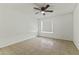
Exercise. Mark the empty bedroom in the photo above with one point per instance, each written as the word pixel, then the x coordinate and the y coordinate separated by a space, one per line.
pixel 39 29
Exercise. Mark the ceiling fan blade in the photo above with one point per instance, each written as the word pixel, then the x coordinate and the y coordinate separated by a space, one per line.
pixel 47 6
pixel 36 8
pixel 48 10
pixel 36 12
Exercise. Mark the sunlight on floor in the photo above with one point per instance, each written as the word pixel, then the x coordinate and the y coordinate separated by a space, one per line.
pixel 41 46
pixel 46 43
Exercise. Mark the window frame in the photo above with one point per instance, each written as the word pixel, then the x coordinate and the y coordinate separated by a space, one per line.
pixel 41 25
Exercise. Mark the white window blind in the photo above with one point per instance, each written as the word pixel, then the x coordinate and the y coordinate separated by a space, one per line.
pixel 46 26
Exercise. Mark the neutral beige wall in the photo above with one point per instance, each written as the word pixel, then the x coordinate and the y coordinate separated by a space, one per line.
pixel 62 27
pixel 76 25
pixel 16 23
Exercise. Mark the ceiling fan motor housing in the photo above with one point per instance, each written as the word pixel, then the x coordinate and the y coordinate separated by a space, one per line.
pixel 42 8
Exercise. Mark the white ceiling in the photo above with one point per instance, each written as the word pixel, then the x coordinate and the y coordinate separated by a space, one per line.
pixel 59 8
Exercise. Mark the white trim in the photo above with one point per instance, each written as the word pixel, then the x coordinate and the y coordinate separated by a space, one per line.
pixel 76 45
pixel 16 41
pixel 45 31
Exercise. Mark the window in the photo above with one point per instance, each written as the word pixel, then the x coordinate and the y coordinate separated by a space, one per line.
pixel 46 26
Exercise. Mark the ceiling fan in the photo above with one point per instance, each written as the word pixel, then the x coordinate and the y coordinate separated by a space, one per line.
pixel 43 9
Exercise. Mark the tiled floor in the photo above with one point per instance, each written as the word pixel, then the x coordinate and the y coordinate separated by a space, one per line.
pixel 41 46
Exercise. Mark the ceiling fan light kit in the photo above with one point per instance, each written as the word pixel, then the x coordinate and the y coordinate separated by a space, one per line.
pixel 43 9
pixel 42 12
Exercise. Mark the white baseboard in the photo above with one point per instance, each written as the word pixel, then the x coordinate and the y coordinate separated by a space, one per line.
pixel 76 45
pixel 16 41
pixel 56 36
pixel 60 38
